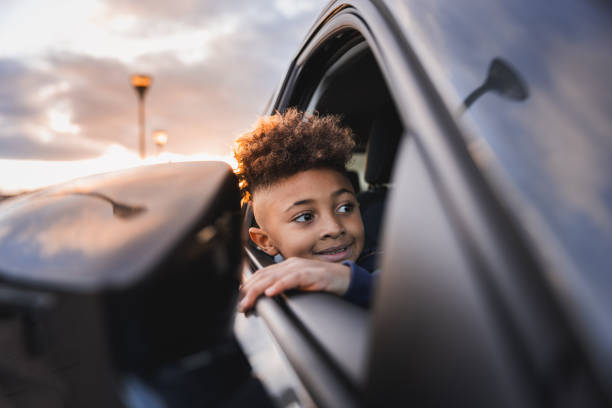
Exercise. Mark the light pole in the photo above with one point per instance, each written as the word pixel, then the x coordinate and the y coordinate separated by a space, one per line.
pixel 141 83
pixel 160 137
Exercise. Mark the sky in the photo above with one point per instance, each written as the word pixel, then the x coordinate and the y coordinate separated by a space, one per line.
pixel 66 104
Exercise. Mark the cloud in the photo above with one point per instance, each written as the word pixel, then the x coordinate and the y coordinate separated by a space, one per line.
pixel 67 103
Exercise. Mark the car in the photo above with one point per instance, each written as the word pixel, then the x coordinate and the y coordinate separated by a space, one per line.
pixel 118 290
pixel 483 149
pixel 483 154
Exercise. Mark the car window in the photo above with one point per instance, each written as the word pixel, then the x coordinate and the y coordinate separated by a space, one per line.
pixel 342 77
pixel 542 135
pixel 326 82
pixel 349 82
pixel 461 300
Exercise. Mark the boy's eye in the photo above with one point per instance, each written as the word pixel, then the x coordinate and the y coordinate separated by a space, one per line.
pixel 346 208
pixel 306 217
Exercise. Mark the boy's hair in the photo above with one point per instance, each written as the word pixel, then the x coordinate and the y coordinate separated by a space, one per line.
pixel 284 144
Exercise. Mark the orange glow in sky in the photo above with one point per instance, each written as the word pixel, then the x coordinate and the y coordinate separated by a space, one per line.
pixel 68 106
pixel 17 176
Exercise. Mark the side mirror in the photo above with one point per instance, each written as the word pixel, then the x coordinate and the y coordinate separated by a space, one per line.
pixel 117 276
pixel 503 79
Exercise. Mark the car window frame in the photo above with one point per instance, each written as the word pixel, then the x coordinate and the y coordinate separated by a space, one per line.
pixel 486 230
pixel 324 337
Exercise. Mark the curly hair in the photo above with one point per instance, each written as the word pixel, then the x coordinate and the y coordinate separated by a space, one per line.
pixel 284 144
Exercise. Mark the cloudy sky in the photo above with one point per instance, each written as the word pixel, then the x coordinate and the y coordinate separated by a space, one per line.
pixel 65 97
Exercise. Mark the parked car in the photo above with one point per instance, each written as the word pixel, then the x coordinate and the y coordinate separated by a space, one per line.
pixel 118 290
pixel 484 147
pixel 483 154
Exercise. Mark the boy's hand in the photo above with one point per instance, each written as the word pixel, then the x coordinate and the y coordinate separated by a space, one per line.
pixel 295 273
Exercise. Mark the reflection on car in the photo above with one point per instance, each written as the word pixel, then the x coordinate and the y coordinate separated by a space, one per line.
pixel 482 134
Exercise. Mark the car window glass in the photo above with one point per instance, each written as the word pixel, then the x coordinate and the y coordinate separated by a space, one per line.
pixel 349 82
pixel 536 108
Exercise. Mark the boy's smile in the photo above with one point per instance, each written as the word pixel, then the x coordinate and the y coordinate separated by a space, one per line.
pixel 313 214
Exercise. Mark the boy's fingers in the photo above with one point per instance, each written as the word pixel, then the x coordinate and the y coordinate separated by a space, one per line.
pixel 281 286
pixel 266 277
pixel 250 295
pixel 248 300
pixel 265 273
pixel 305 280
pixel 275 279
pixel 244 304
pixel 259 283
pixel 285 283
pixel 256 286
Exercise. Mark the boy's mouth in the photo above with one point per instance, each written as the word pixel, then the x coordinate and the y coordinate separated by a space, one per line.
pixel 337 253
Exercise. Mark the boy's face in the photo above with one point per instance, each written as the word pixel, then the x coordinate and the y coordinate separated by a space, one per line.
pixel 313 214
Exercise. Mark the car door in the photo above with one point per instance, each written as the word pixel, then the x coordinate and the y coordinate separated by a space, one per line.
pixel 463 312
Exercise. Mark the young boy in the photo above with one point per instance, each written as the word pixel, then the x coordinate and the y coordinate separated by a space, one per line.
pixel 292 168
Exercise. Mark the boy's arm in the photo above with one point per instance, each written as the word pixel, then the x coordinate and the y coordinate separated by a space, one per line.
pixel 359 291
pixel 295 273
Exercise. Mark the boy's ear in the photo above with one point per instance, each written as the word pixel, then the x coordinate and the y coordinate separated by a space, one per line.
pixel 263 241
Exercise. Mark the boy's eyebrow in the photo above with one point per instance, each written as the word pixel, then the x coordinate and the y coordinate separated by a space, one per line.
pixel 301 202
pixel 310 200
pixel 342 191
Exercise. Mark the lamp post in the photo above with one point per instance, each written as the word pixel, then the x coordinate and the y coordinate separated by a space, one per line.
pixel 160 137
pixel 141 83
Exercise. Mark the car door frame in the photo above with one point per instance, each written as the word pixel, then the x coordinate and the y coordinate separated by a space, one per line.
pixel 487 241
pixel 324 338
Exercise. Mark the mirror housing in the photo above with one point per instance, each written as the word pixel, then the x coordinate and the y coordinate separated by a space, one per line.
pixel 118 275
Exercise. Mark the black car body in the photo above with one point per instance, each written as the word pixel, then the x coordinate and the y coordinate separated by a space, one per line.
pixel 484 131
pixel 118 290
pixel 483 150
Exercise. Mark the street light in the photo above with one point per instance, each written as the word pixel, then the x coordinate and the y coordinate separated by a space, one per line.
pixel 141 83
pixel 160 137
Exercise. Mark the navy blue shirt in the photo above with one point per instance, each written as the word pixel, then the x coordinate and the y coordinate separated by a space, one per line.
pixel 363 278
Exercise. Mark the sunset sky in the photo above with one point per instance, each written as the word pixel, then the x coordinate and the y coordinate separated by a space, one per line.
pixel 66 104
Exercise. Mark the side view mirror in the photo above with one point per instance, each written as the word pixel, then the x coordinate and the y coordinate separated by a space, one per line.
pixel 116 277
pixel 503 79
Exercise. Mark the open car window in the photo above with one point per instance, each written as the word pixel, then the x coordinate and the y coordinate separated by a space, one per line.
pixel 341 77
pixel 477 301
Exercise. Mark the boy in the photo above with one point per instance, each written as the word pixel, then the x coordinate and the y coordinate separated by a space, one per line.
pixel 292 168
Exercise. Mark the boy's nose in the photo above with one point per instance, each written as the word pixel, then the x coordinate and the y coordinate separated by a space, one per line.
pixel 332 228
